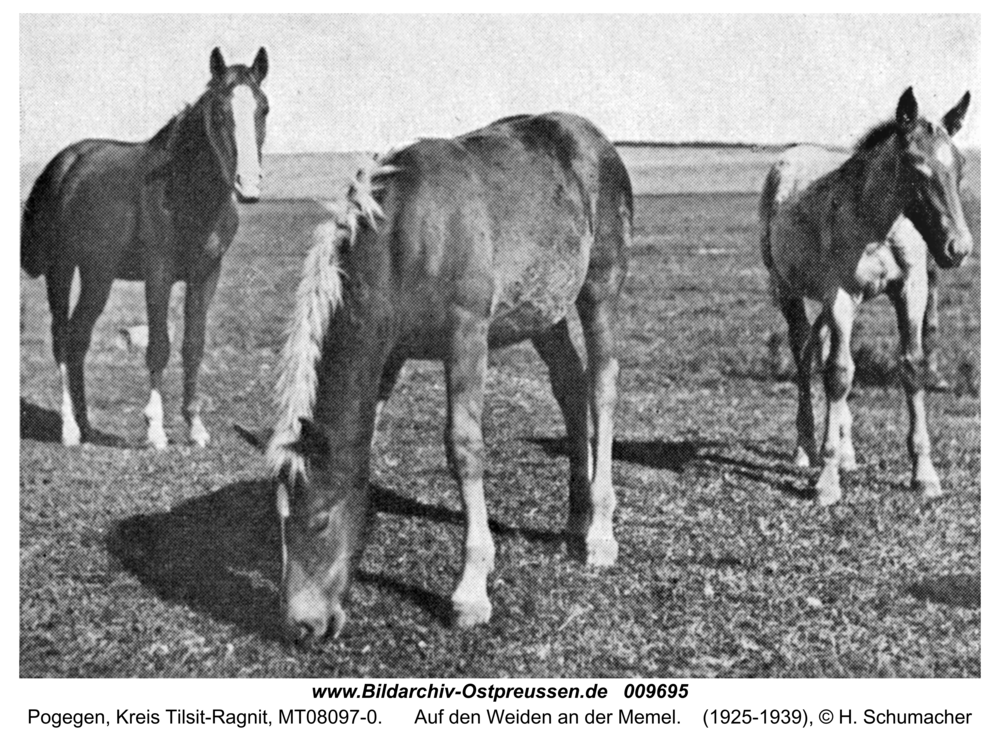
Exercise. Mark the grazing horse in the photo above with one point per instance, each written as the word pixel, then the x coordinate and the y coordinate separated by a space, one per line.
pixel 160 211
pixel 450 247
pixel 841 231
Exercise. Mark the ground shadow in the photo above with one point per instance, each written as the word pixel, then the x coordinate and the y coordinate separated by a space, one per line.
pixel 42 424
pixel 221 554
pixel 666 455
pixel 953 590
pixel 388 501
pixel 681 456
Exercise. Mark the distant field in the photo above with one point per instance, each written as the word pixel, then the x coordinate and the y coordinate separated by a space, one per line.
pixel 655 171
pixel 135 563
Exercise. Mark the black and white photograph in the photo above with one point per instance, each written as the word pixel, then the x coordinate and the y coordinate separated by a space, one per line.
pixel 500 347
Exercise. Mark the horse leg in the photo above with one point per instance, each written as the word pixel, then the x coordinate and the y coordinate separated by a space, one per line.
pixel 465 371
pixel 95 287
pixel 848 457
pixel 197 298
pixel 569 386
pixel 58 285
pixel 390 375
pixel 800 339
pixel 158 285
pixel 909 300
pixel 934 380
pixel 596 316
pixel 821 337
pixel 837 379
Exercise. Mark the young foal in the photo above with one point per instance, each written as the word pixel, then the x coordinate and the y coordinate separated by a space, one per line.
pixel 159 211
pixel 840 232
pixel 473 243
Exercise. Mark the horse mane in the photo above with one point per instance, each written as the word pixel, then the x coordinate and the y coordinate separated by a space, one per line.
pixel 877 135
pixel 166 137
pixel 319 293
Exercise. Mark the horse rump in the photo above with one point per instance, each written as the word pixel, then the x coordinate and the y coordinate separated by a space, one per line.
pixel 40 219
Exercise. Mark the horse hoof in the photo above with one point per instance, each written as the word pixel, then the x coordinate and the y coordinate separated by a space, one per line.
pixel 198 435
pixel 802 459
pixel 471 613
pixel 602 552
pixel 71 436
pixel 928 488
pixel 935 382
pixel 157 440
pixel 828 497
pixel 848 463
pixel 828 486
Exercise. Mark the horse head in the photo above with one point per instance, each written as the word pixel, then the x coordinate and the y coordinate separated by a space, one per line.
pixel 235 110
pixel 930 175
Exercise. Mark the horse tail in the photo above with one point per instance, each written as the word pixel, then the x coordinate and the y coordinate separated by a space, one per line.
pixel 766 211
pixel 39 221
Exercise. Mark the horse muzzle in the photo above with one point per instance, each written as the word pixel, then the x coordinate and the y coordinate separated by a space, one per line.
pixel 313 613
pixel 956 250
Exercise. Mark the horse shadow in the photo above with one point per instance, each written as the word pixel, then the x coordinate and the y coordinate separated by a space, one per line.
pixel 697 455
pixel 221 554
pixel 954 590
pixel 42 424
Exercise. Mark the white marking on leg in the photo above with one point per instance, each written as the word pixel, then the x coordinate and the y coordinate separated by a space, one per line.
pixel 837 388
pixel 70 429
pixel 602 549
pixel 848 459
pixel 470 600
pixel 156 436
pixel 828 485
pixel 198 433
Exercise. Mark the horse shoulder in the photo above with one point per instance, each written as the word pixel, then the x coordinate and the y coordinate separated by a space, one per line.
pixel 228 222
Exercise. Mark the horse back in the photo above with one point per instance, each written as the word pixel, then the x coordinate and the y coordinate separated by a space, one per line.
pixel 576 207
pixel 792 210
pixel 503 220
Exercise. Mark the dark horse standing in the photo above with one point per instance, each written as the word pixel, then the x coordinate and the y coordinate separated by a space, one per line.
pixel 160 211
pixel 452 247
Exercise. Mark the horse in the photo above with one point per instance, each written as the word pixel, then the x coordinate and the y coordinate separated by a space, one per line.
pixel 840 231
pixel 159 211
pixel 449 248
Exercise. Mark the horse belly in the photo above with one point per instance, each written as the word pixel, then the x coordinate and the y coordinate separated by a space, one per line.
pixel 542 294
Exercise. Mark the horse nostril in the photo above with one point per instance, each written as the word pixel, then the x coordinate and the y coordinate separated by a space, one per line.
pixel 305 632
pixel 301 632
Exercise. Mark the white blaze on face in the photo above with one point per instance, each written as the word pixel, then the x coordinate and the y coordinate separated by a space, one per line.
pixel 944 154
pixel 248 172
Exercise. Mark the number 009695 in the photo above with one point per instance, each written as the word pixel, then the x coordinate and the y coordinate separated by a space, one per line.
pixel 656 691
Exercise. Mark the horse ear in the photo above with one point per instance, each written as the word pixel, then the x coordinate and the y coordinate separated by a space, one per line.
pixel 906 111
pixel 259 67
pixel 312 443
pixel 952 120
pixel 257 439
pixel 217 64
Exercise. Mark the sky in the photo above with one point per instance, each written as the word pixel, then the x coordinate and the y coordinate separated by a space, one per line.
pixel 368 82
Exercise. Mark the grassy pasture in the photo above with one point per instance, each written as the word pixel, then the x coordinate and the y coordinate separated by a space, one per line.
pixel 136 563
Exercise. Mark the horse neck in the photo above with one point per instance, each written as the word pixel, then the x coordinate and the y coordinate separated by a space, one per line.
pixel 878 201
pixel 350 373
pixel 196 189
